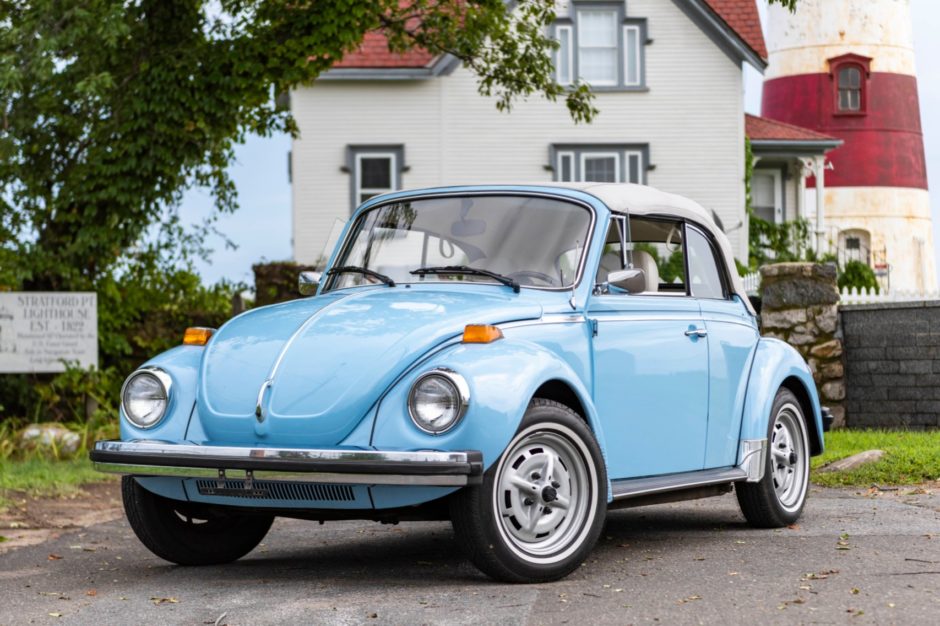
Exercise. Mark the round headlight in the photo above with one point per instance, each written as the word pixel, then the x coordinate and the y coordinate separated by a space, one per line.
pixel 145 396
pixel 438 400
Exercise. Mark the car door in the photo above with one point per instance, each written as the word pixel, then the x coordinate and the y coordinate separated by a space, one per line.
pixel 732 340
pixel 650 360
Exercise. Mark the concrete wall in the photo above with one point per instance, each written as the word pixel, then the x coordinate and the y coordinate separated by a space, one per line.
pixel 691 116
pixel 892 360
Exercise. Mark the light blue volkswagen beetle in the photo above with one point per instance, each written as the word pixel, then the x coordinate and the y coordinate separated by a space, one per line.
pixel 516 359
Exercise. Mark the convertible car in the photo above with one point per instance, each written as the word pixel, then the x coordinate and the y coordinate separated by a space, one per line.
pixel 515 359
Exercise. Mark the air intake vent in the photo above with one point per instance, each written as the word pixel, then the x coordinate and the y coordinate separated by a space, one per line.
pixel 276 490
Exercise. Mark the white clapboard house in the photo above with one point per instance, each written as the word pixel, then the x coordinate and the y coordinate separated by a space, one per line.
pixel 669 81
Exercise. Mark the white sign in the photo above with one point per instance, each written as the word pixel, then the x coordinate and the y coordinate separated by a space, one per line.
pixel 41 331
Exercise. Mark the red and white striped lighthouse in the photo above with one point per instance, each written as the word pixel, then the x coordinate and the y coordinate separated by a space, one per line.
pixel 845 68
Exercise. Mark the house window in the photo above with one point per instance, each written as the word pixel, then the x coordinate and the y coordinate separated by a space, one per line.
pixel 600 163
pixel 564 57
pixel 850 88
pixel 601 47
pixel 373 170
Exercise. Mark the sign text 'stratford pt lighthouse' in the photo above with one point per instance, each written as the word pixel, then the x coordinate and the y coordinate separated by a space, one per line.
pixel 846 68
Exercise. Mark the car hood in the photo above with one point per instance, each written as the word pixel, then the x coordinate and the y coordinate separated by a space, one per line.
pixel 316 366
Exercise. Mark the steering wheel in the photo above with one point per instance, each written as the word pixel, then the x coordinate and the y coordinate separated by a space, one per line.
pixel 531 274
pixel 672 247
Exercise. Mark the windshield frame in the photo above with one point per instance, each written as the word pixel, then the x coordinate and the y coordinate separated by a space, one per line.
pixel 360 214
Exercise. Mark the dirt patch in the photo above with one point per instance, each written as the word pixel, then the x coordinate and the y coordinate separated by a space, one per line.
pixel 31 520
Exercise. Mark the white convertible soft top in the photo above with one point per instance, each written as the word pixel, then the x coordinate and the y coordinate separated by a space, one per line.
pixel 643 200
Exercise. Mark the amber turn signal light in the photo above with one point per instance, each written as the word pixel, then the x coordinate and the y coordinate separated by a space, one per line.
pixel 481 333
pixel 197 336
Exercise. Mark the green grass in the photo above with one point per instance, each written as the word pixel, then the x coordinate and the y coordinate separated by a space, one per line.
pixel 910 457
pixel 45 477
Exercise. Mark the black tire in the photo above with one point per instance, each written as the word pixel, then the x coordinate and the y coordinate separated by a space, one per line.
pixel 768 503
pixel 490 537
pixel 190 534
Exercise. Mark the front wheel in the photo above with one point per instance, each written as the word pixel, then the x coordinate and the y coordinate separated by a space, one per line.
pixel 190 534
pixel 778 499
pixel 541 506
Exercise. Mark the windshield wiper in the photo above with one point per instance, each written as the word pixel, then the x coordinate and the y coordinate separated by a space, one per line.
pixel 361 270
pixel 466 269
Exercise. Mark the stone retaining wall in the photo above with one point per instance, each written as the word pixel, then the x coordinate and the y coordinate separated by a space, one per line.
pixel 800 306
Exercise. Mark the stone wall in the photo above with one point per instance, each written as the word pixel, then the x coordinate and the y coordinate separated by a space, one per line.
pixel 892 364
pixel 277 282
pixel 800 305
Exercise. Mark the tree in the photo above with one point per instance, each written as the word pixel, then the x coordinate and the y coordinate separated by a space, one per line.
pixel 109 109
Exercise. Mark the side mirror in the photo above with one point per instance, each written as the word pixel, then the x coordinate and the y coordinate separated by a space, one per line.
pixel 308 283
pixel 631 280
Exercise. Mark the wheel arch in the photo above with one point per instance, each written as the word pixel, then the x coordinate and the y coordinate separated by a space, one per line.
pixel 777 364
pixel 798 388
pixel 560 391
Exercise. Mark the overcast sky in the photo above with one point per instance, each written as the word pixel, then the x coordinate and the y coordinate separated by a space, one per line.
pixel 262 227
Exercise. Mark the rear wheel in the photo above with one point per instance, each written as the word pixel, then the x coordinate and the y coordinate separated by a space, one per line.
pixel 778 499
pixel 541 506
pixel 187 533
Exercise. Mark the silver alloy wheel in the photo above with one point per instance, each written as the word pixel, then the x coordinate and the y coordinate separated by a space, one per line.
pixel 543 495
pixel 789 457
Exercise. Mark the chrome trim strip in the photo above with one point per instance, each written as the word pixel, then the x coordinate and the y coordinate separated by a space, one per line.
pixel 601 316
pixel 753 455
pixel 310 477
pixel 635 487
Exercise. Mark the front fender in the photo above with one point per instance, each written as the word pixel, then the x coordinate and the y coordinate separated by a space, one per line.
pixel 503 377
pixel 777 363
pixel 182 365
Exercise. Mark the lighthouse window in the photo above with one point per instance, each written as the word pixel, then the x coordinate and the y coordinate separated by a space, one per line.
pixel 850 89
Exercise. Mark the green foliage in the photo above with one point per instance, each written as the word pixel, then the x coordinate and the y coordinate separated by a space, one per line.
pixel 670 268
pixel 911 457
pixel 46 477
pixel 859 275
pixel 769 242
pixel 111 109
pixel 787 4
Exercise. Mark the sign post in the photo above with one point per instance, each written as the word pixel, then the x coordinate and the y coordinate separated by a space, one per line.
pixel 41 331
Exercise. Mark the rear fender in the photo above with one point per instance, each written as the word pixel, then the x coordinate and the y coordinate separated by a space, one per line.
pixel 777 364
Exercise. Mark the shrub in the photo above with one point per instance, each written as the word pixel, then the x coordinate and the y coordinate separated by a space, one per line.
pixel 859 275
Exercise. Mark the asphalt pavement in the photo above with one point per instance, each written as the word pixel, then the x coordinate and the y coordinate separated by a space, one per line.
pixel 855 558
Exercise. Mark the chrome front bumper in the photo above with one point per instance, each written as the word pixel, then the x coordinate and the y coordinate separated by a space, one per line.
pixel 335 466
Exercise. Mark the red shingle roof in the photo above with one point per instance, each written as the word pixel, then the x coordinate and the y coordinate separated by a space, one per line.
pixel 374 52
pixel 742 17
pixel 762 129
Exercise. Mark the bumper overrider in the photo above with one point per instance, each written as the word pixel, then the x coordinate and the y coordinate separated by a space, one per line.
pixel 335 466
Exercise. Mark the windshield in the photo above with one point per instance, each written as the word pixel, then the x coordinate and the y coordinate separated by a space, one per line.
pixel 533 241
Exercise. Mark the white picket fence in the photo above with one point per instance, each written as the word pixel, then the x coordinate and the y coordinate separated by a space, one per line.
pixel 752 283
pixel 854 295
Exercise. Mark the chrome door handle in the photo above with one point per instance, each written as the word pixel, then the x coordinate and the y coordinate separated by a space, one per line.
pixel 696 332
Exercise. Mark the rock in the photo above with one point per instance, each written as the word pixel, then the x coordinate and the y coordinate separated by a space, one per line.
pixel 52 439
pixel 793 294
pixel 838 416
pixel 833 370
pixel 834 390
pixel 801 339
pixel 855 461
pixel 788 318
pixel 828 319
pixel 827 350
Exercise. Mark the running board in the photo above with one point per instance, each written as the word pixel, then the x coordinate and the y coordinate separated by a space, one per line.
pixel 637 487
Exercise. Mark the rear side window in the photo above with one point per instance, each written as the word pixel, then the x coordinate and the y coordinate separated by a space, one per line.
pixel 704 276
